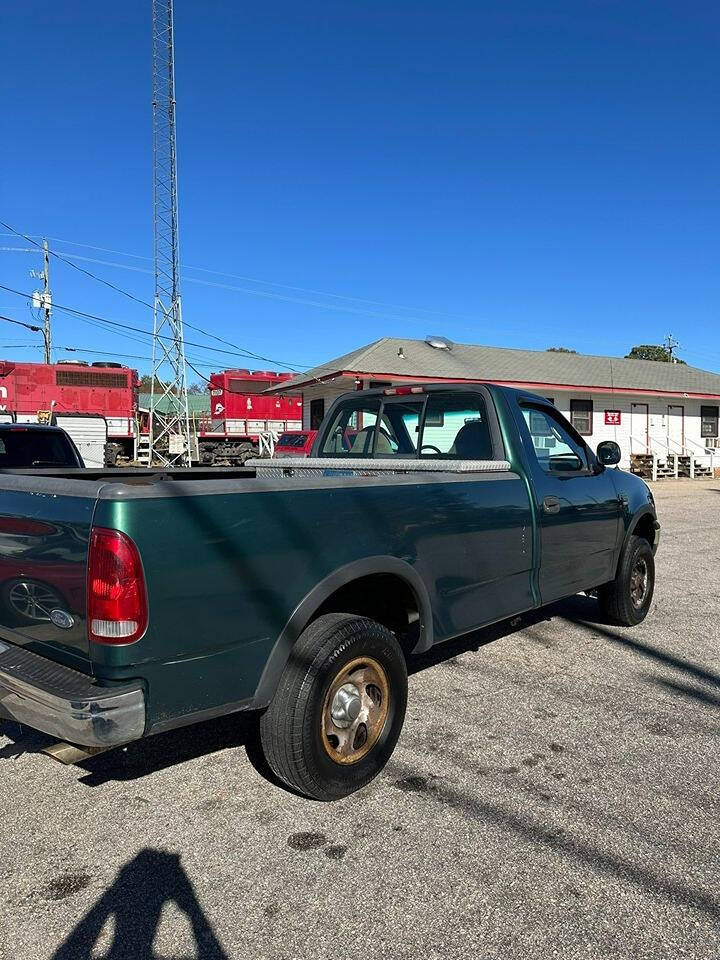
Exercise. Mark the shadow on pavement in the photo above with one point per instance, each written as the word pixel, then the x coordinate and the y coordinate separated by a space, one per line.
pixel 577 611
pixel 144 757
pixel 555 838
pixel 135 902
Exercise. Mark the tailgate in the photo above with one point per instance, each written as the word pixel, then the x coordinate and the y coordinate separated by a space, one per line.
pixel 44 539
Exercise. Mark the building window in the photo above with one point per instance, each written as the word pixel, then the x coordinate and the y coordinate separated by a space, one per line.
pixel 317 412
pixel 581 416
pixel 708 421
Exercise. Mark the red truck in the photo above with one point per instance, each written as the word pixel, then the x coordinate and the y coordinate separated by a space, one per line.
pixel 295 443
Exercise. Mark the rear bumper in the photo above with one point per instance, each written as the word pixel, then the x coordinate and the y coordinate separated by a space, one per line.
pixel 66 704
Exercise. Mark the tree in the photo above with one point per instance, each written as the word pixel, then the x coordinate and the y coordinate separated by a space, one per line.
pixel 560 350
pixel 146 384
pixel 651 351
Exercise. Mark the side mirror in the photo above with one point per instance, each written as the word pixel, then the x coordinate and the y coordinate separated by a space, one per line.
pixel 608 453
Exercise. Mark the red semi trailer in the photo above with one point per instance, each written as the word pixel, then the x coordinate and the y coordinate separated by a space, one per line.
pixel 240 413
pixel 39 392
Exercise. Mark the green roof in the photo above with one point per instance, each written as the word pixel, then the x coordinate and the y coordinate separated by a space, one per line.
pixel 197 403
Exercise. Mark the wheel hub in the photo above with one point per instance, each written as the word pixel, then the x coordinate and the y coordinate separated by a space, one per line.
pixel 346 706
pixel 639 583
pixel 355 710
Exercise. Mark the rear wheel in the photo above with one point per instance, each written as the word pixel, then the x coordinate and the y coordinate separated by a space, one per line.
pixel 339 708
pixel 626 600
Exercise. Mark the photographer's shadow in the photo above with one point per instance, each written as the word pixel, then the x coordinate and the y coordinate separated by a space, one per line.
pixel 135 902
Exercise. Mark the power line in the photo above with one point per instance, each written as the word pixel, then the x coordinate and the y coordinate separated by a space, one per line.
pixel 201 375
pixel 87 273
pixel 272 283
pixel 28 326
pixel 264 294
pixel 238 352
pixel 92 350
pixel 124 356
pixel 242 351
pixel 190 325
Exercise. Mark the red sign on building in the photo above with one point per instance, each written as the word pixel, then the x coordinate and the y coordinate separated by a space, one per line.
pixel 612 418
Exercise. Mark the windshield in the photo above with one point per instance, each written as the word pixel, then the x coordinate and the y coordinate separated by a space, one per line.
pixel 292 440
pixel 35 448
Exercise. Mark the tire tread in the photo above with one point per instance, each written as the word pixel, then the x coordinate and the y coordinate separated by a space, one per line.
pixel 284 728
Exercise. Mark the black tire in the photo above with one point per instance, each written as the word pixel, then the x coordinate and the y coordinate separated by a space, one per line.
pixel 293 735
pixel 112 452
pixel 623 601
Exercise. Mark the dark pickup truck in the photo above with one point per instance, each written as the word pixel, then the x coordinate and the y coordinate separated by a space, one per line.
pixel 300 588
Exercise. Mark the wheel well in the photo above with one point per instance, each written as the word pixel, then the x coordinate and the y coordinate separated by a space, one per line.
pixel 645 528
pixel 383 597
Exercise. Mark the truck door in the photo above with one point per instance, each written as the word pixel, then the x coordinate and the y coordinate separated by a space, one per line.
pixel 578 508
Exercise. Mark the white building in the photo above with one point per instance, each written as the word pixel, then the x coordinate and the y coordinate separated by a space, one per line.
pixel 663 415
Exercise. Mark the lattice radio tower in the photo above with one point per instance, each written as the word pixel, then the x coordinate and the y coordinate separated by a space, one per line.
pixel 169 419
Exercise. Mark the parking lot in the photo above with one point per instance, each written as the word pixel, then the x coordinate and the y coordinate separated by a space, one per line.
pixel 555 793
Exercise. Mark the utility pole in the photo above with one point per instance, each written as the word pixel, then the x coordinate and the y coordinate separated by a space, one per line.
pixel 47 301
pixel 169 417
pixel 42 300
pixel 670 344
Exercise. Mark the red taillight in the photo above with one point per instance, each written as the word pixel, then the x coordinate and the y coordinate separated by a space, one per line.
pixel 116 595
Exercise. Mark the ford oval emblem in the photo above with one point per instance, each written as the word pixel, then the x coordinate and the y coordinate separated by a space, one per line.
pixel 62 619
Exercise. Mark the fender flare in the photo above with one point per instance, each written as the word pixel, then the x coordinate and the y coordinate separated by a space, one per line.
pixel 311 603
pixel 644 511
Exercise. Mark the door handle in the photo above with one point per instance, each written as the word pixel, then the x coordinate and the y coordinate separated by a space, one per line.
pixel 551 505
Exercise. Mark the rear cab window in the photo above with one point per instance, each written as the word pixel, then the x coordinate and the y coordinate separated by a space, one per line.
pixel 29 447
pixel 448 425
pixel 456 428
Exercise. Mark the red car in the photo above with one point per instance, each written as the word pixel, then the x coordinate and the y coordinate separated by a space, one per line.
pixel 295 443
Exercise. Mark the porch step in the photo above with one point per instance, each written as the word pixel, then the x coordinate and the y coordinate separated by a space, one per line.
pixel 642 465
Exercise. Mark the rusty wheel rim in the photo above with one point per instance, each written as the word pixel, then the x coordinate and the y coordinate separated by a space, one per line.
pixel 355 710
pixel 639 581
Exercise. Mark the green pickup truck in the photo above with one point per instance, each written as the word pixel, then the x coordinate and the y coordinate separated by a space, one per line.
pixel 133 602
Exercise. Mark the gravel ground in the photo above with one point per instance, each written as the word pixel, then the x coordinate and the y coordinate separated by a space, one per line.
pixel 555 793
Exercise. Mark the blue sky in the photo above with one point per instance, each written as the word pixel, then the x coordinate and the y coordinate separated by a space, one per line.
pixel 519 173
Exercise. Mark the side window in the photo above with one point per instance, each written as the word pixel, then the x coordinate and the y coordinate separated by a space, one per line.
pixel 708 421
pixel 456 427
pixel 556 450
pixel 581 416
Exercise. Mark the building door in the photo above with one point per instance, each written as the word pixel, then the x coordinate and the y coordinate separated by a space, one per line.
pixel 640 428
pixel 317 412
pixel 676 428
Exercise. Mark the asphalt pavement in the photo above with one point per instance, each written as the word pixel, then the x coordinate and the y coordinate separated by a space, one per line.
pixel 555 793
